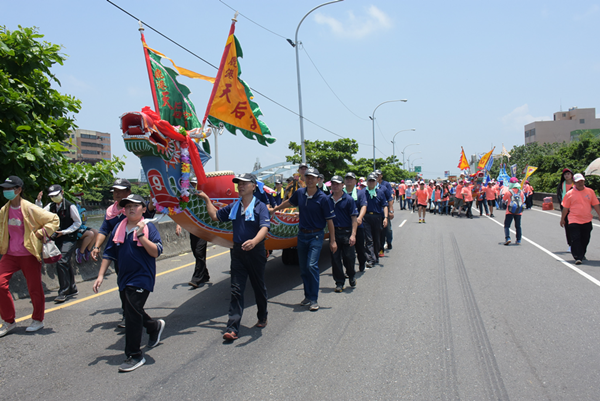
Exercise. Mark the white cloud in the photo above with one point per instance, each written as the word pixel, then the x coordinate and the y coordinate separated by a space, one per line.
pixel 519 117
pixel 591 11
pixel 357 27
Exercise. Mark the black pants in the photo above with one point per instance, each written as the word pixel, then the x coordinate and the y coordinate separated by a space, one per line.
pixel 580 238
pixel 244 265
pixel 373 226
pixel 529 202
pixel 359 247
pixel 64 271
pixel 136 319
pixel 468 205
pixel 199 250
pixel 343 257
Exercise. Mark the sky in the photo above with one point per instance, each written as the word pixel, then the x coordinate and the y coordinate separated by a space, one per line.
pixel 474 73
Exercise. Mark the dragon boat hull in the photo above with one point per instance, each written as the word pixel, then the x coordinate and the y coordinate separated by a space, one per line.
pixel 160 156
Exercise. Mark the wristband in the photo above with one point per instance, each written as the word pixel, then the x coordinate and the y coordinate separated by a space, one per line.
pixel 140 235
pixel 95 248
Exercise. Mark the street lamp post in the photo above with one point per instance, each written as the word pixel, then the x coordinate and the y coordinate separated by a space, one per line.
pixel 409 158
pixel 373 119
pixel 412 144
pixel 394 138
pixel 295 45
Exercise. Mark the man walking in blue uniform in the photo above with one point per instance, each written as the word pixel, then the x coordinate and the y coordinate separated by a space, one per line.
pixel 360 200
pixel 345 234
pixel 316 211
pixel 375 219
pixel 251 223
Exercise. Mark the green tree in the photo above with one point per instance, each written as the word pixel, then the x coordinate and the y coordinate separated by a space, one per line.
pixel 390 167
pixel 328 157
pixel 36 119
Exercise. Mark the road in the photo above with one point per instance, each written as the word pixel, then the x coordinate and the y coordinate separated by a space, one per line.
pixel 452 314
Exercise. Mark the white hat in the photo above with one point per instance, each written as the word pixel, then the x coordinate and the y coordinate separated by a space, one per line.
pixel 578 177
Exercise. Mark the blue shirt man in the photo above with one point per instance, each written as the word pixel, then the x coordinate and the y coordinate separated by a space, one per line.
pixel 316 211
pixel 345 234
pixel 251 223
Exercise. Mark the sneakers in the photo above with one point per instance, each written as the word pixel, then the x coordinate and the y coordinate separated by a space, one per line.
pixel 78 256
pixel 35 326
pixel 385 246
pixel 230 336
pixel 353 283
pixel 578 262
pixel 507 241
pixel 381 254
pixel 305 302
pixel 121 325
pixel 87 254
pixel 518 242
pixel 339 288
pixel 492 215
pixel 64 296
pixel 314 306
pixel 6 328
pixel 131 363
pixel 199 283
pixel 155 337
pixel 389 247
pixel 423 221
pixel 368 265
pixel 60 298
pixel 261 324
pixel 420 221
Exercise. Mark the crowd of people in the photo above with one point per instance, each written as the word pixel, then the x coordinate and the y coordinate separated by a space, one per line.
pixel 356 212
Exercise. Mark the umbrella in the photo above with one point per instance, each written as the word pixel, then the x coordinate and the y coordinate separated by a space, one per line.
pixel 593 168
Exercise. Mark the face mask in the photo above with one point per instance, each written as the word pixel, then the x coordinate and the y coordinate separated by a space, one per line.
pixel 10 194
pixel 56 199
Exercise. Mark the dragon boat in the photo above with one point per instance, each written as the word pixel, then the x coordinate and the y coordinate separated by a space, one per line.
pixel 160 151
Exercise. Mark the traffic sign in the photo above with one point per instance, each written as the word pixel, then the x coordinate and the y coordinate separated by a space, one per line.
pixel 417 169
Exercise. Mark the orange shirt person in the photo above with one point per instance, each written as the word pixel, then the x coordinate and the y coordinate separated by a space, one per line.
pixel 422 196
pixel 578 204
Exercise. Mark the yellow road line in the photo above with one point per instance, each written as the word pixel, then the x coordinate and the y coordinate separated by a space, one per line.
pixel 75 302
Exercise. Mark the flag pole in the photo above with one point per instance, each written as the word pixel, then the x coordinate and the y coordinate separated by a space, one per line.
pixel 149 67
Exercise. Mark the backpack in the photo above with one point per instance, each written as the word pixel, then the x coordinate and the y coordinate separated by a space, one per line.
pixel 516 203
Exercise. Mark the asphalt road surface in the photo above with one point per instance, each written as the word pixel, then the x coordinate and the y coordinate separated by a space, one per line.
pixel 452 314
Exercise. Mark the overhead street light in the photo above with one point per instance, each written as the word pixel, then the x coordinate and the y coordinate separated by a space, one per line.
pixel 409 158
pixel 412 144
pixel 373 119
pixel 394 138
pixel 295 45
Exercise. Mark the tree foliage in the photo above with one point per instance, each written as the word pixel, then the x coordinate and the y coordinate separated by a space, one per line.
pixel 328 157
pixel 337 157
pixel 551 159
pixel 36 119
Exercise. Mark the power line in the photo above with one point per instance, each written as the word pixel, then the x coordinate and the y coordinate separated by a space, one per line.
pixel 256 23
pixel 215 67
pixel 332 91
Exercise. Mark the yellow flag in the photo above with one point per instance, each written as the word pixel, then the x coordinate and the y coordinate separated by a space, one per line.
pixel 484 159
pixel 530 170
pixel 229 101
pixel 464 163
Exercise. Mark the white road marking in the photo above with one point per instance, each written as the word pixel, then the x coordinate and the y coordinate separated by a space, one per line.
pixel 561 260
pixel 401 224
pixel 557 215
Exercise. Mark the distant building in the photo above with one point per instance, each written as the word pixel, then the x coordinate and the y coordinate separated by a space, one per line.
pixel 89 146
pixel 566 127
